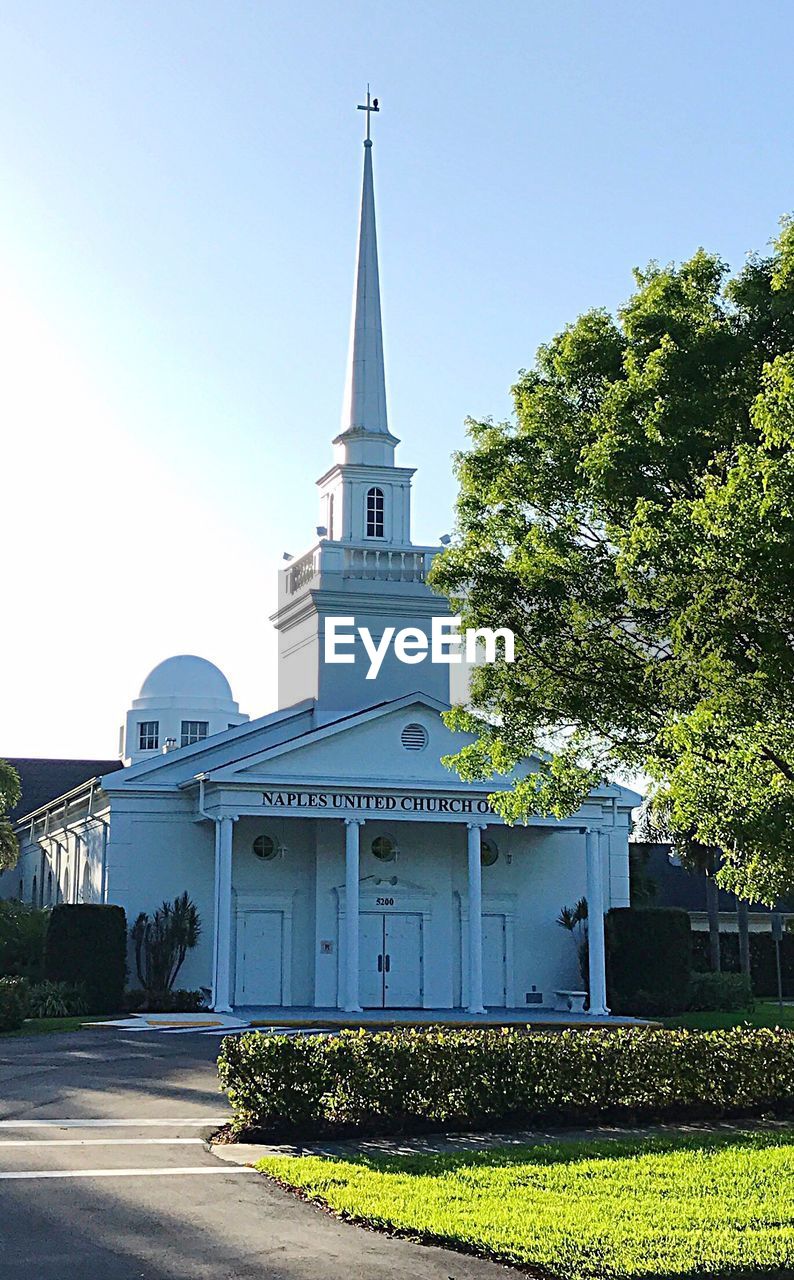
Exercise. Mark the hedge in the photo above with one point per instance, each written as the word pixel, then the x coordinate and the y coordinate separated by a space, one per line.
pixel 762 959
pixel 87 945
pixel 649 960
pixel 719 992
pixel 413 1080
pixel 22 932
pixel 13 1003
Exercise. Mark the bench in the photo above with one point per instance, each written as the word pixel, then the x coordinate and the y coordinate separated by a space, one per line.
pixel 569 1001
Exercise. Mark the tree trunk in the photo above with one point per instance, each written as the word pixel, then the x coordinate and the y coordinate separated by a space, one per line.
pixel 713 908
pixel 743 926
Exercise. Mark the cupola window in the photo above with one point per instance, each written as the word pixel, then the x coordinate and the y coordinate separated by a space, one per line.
pixel 194 731
pixel 374 513
pixel 148 735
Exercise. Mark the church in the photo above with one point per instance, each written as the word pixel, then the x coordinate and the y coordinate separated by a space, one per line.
pixel 335 862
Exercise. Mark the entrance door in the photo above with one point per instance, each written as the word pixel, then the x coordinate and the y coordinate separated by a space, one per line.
pixel 390 960
pixel 370 959
pixel 259 949
pixel 494 970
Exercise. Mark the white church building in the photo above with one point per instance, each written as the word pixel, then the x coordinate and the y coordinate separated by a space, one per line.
pixel 335 862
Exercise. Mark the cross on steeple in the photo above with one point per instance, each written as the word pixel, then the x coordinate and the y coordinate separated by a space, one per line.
pixel 370 106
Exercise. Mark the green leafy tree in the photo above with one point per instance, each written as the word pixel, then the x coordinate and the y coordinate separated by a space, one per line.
pixel 10 795
pixel 634 526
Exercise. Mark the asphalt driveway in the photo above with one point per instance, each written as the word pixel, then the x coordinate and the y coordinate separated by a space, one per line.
pixel 105 1172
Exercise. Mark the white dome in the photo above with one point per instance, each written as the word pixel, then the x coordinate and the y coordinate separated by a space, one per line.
pixel 186 676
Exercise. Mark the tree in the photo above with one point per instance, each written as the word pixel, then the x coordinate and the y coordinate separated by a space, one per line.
pixel 634 526
pixel 10 795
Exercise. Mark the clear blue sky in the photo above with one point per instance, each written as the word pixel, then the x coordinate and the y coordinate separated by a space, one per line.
pixel 180 186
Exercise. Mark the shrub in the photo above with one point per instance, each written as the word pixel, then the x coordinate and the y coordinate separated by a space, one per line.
pixel 574 919
pixel 393 1081
pixel 87 944
pixel 710 992
pixel 180 1001
pixel 57 1000
pixel 762 959
pixel 22 933
pixel 162 941
pixel 649 957
pixel 13 1003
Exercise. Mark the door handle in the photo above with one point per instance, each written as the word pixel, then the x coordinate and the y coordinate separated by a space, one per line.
pixel 380 964
pixel 387 964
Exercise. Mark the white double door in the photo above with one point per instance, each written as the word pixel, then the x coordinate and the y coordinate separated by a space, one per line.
pixel 258 976
pixel 390 960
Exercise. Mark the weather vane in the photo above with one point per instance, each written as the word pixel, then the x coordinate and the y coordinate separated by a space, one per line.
pixel 370 106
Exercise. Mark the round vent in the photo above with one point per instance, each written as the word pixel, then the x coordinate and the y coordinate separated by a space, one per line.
pixel 414 737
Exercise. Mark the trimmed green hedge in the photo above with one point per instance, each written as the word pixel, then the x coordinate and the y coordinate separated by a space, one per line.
pixel 396 1081
pixel 762 959
pixel 13 1003
pixel 649 960
pixel 87 946
pixel 22 932
pixel 718 992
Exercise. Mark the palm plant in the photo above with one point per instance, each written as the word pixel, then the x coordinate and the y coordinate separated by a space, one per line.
pixel 162 941
pixel 574 919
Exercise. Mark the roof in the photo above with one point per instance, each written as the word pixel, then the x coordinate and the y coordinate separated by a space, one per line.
pixel 677 887
pixel 44 779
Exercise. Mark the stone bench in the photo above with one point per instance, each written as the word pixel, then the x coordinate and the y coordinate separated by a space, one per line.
pixel 569 1001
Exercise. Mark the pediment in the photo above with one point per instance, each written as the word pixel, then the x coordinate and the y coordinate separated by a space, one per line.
pixel 376 747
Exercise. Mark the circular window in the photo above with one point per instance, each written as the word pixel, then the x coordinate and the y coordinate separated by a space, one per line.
pixel 488 853
pixel 384 848
pixel 265 848
pixel 414 737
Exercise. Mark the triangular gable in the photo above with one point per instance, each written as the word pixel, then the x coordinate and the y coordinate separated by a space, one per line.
pixel 361 749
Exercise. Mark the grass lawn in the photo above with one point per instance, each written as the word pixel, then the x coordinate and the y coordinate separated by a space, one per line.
pixel 679 1206
pixel 41 1026
pixel 767 1013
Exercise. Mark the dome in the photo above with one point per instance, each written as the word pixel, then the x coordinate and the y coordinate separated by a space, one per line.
pixel 188 677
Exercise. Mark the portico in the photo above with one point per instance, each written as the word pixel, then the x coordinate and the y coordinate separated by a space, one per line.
pixel 407 899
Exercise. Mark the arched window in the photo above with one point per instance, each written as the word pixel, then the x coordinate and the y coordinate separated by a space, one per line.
pixel 66 885
pixel 34 891
pixel 374 513
pixel 330 515
pixel 85 895
pixel 49 888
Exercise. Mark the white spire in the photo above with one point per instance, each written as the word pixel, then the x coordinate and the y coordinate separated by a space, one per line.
pixel 365 391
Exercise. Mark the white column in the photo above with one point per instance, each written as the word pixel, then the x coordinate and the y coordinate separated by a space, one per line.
pixel 352 832
pixel 222 993
pixel 475 917
pixel 103 887
pixel 595 924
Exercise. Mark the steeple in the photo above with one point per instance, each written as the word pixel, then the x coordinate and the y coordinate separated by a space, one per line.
pixel 364 564
pixel 365 392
